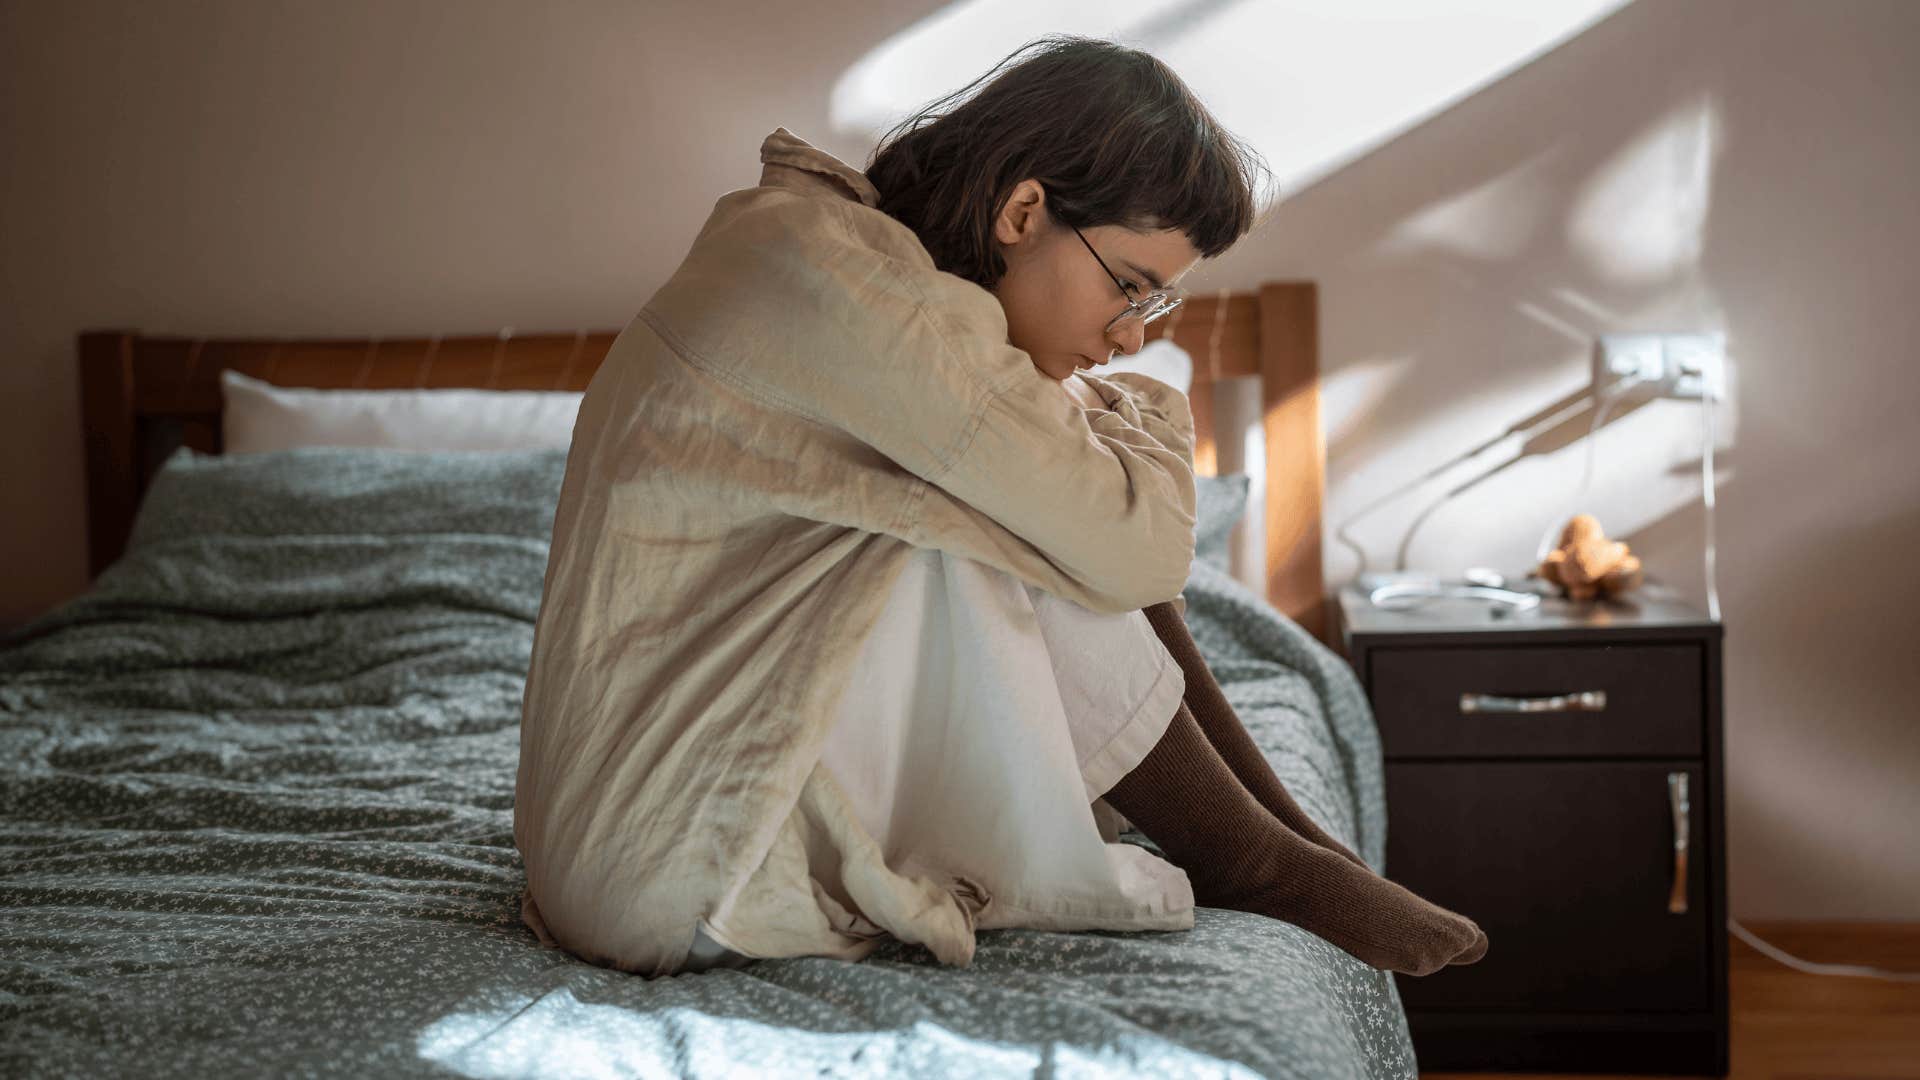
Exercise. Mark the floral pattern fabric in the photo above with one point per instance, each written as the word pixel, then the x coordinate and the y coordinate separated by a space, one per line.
pixel 256 819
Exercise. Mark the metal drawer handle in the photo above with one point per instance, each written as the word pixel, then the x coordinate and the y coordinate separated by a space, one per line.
pixel 1584 701
pixel 1677 798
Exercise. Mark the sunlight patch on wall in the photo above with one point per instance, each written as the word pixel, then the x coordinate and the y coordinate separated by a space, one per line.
pixel 1641 218
pixel 1311 84
pixel 1351 393
pixel 1497 220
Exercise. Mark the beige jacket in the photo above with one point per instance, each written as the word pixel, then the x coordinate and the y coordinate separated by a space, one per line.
pixel 803 402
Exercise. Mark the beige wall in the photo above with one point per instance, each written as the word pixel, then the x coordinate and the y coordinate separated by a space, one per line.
pixel 1744 166
pixel 383 167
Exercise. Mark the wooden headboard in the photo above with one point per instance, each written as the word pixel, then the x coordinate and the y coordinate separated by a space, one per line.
pixel 143 397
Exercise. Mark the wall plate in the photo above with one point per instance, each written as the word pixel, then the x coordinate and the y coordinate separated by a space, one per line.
pixel 1677 365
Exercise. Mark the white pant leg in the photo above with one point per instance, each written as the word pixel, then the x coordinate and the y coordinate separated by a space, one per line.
pixel 1107 667
pixel 981 722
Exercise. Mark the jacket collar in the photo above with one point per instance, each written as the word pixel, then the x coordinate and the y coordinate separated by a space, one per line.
pixel 791 162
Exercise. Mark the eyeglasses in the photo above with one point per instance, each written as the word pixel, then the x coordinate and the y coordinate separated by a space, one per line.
pixel 1145 308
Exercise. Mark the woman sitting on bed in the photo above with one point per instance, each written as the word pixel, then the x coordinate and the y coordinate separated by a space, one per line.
pixel 842 633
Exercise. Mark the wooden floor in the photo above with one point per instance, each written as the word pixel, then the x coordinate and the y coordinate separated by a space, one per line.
pixel 1789 1025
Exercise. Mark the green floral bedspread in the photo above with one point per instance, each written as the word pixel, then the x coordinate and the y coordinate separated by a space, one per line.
pixel 256 797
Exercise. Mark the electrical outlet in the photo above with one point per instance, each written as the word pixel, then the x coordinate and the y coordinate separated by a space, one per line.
pixel 1691 365
pixel 1621 356
pixel 1696 365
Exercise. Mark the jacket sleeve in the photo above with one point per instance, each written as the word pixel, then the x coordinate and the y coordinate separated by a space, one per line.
pixel 835 312
pixel 1104 497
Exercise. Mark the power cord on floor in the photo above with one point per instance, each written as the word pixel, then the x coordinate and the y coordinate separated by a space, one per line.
pixel 1812 968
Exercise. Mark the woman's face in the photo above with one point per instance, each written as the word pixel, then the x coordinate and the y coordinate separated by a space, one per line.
pixel 1057 299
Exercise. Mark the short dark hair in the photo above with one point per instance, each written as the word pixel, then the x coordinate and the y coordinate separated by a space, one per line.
pixel 1110 131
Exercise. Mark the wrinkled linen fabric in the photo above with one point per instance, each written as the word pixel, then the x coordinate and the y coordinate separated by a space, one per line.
pixel 804 402
pixel 1107 671
pixel 256 809
pixel 982 720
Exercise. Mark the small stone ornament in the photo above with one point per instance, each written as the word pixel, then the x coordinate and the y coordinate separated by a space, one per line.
pixel 1587 565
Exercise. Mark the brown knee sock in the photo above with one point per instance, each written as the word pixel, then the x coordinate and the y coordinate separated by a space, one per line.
pixel 1237 855
pixel 1229 737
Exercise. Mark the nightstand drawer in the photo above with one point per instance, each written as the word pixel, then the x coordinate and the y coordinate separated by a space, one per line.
pixel 1539 701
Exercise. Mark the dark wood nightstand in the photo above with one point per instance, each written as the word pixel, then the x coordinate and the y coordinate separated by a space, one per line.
pixel 1544 771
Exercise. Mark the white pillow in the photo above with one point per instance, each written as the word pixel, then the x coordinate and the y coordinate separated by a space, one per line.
pixel 260 416
pixel 1158 359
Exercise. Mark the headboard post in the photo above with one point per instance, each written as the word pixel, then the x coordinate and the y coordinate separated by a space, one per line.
pixel 1296 452
pixel 107 421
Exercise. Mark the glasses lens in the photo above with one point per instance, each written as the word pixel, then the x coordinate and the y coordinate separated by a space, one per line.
pixel 1162 305
pixel 1149 308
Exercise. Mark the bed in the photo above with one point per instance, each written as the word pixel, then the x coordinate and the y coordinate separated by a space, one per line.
pixel 258 780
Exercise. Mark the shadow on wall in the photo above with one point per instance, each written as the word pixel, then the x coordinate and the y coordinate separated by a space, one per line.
pixel 1467 267
pixel 1709 165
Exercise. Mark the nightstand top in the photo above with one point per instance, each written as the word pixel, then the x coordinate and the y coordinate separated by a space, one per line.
pixel 1650 606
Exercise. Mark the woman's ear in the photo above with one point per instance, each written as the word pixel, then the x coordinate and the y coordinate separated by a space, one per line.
pixel 1022 214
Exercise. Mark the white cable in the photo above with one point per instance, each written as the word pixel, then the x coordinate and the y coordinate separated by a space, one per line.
pixel 1812 968
pixel 1711 550
pixel 1607 398
pixel 1708 390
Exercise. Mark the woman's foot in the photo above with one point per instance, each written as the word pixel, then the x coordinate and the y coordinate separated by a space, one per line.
pixel 1237 855
pixel 1286 877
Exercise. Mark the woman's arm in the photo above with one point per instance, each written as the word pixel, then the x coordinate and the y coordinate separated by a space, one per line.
pixel 1111 516
pixel 835 312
